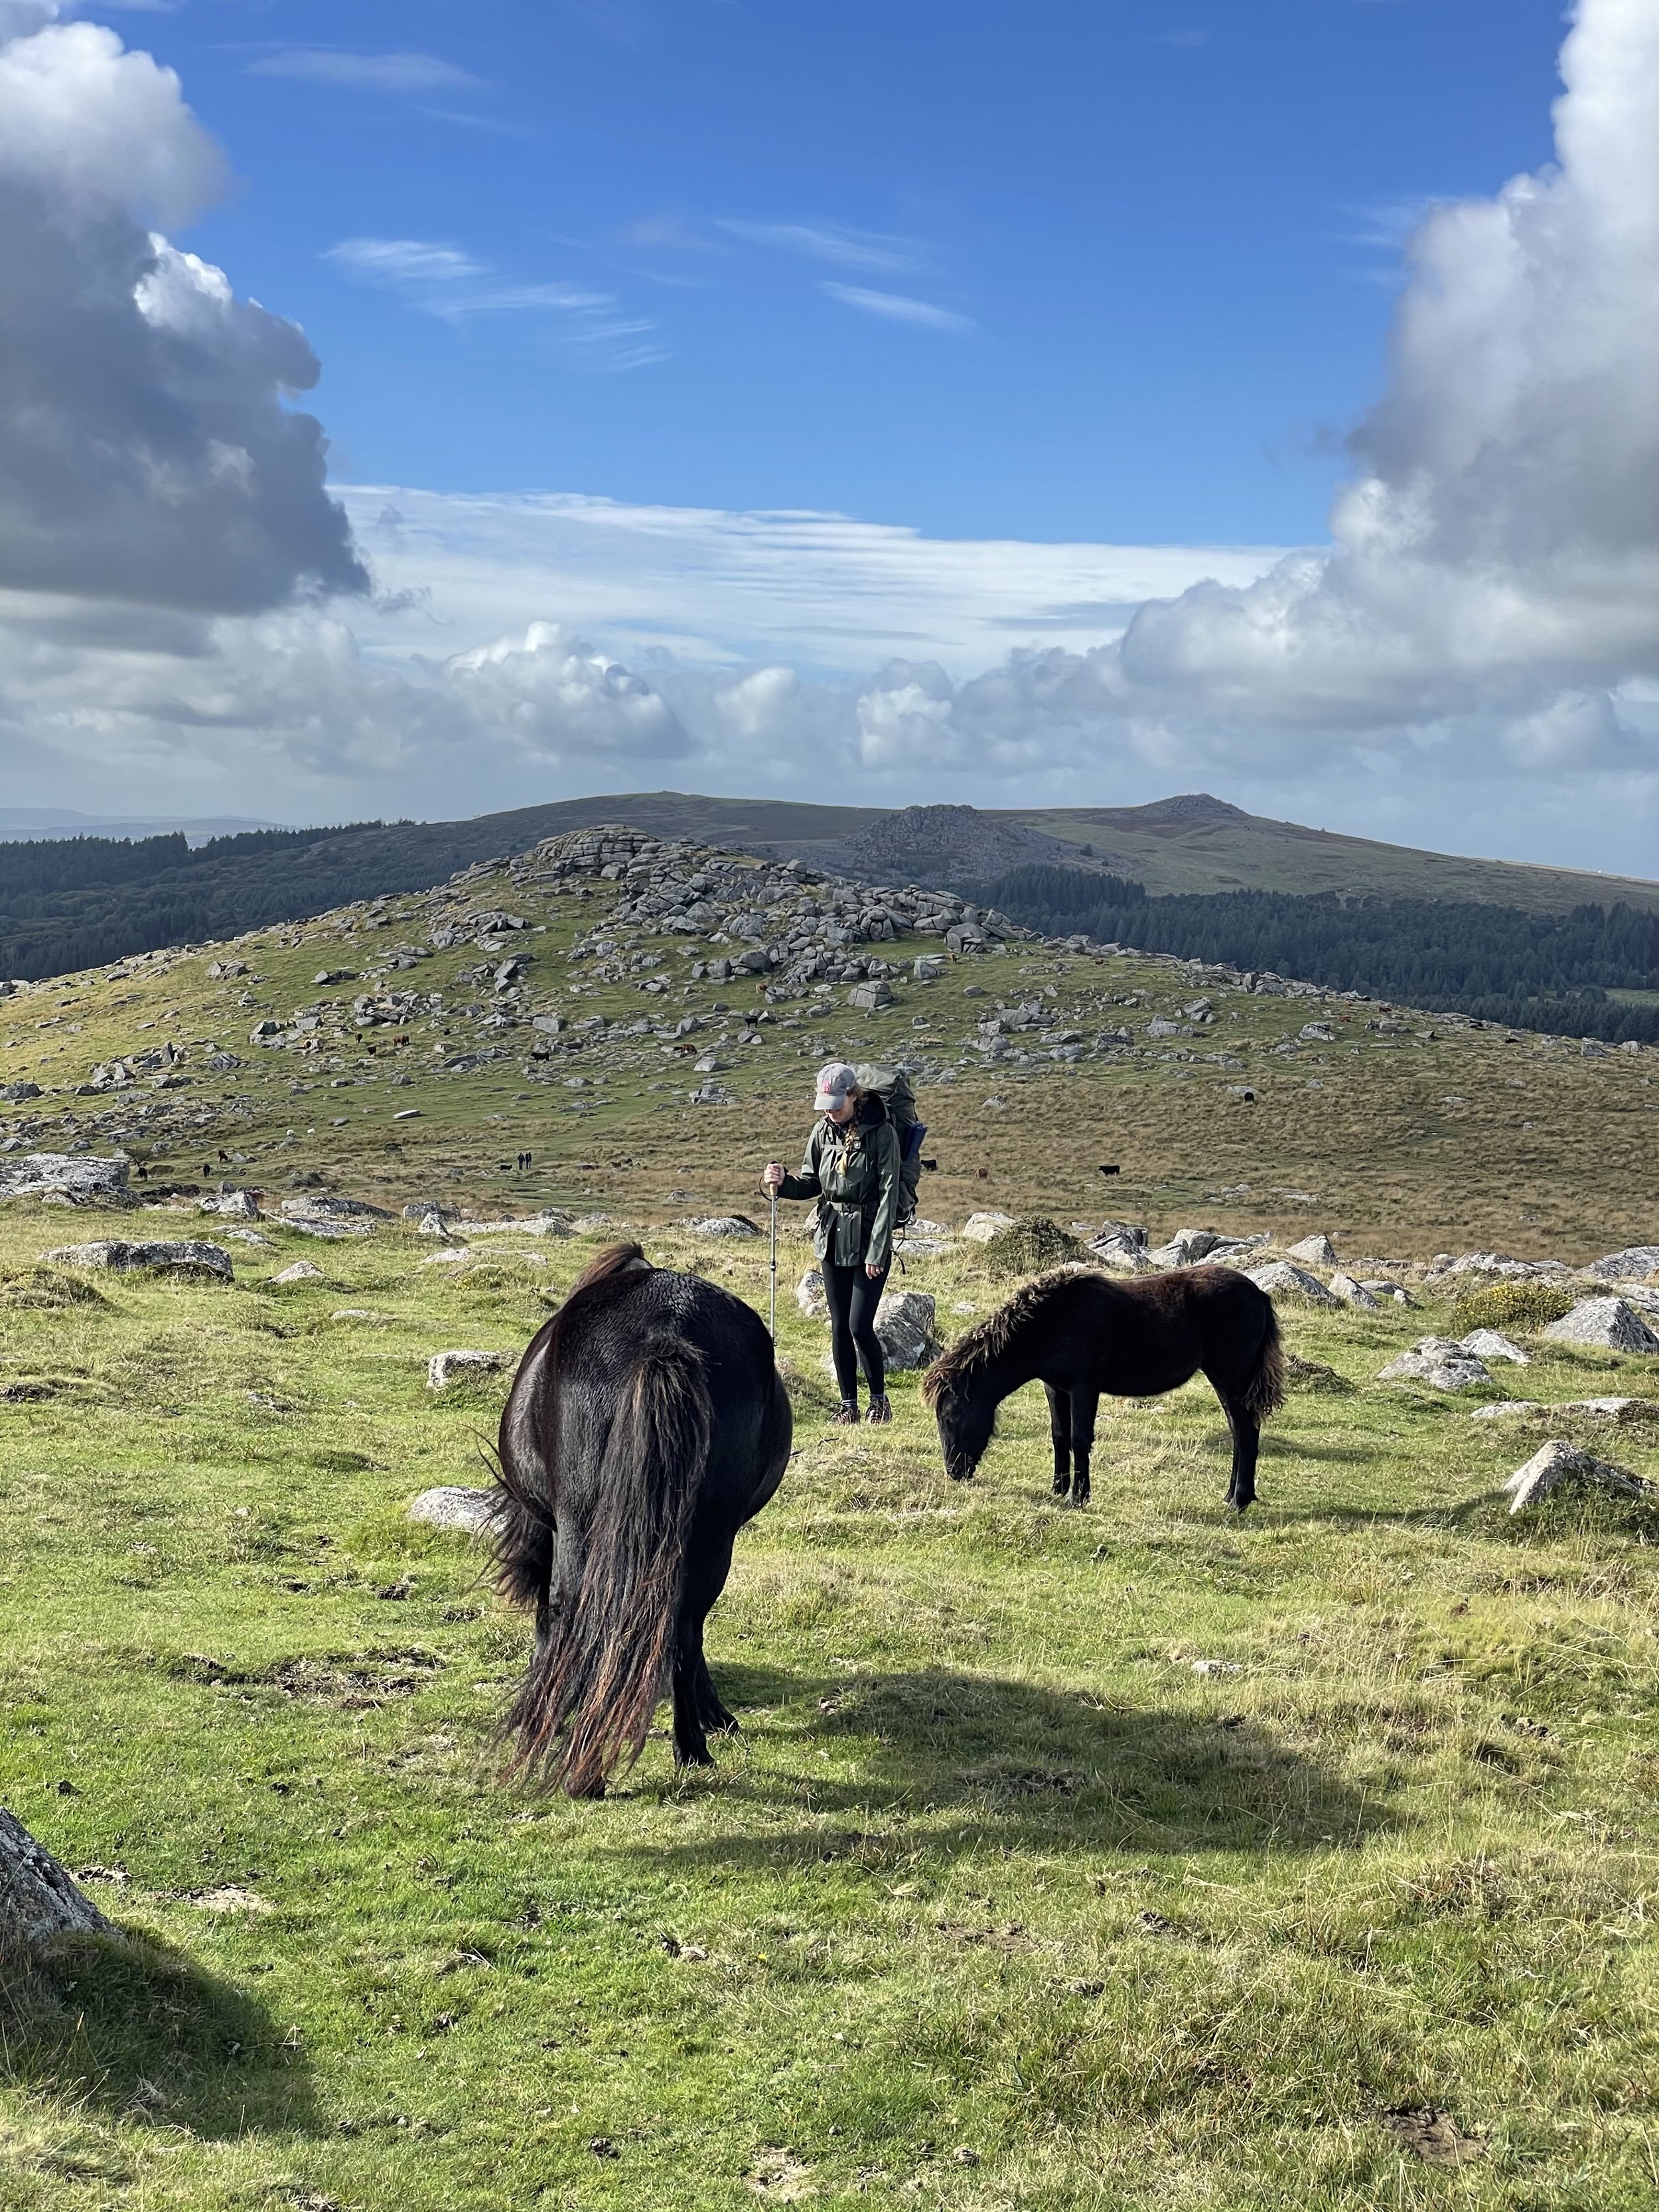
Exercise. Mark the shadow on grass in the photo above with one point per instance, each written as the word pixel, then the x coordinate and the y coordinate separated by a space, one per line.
pixel 1019 1766
pixel 132 2027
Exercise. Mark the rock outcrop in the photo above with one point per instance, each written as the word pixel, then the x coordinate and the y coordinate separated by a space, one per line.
pixel 1609 1323
pixel 185 1256
pixel 38 1898
pixel 1560 1462
pixel 1440 1364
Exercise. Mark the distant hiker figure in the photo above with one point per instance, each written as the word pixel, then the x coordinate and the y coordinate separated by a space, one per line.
pixel 852 1168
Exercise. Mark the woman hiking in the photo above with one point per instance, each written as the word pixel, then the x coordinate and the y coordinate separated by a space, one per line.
pixel 852 1169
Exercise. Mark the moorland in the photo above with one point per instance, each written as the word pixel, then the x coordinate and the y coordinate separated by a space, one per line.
pixel 1135 1857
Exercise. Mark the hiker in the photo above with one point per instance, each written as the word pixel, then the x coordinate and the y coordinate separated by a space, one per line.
pixel 852 1168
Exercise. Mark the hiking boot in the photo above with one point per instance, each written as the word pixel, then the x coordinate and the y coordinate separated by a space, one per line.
pixel 847 1413
pixel 879 1408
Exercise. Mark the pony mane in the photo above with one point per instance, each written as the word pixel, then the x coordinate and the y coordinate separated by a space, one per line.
pixel 976 1346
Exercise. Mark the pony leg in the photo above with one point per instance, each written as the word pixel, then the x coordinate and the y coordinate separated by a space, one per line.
pixel 707 1565
pixel 1247 1440
pixel 1060 1430
pixel 1084 1405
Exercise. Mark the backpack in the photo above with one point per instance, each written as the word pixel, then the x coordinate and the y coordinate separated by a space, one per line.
pixel 892 1086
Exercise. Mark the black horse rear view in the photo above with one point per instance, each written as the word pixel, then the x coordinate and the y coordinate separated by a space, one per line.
pixel 646 1425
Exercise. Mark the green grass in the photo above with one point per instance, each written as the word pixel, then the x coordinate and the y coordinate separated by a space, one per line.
pixel 998 1900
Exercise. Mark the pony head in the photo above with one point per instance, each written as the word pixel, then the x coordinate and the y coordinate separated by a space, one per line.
pixel 966 1415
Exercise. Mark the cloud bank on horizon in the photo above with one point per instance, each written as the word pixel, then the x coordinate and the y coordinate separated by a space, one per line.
pixel 186 611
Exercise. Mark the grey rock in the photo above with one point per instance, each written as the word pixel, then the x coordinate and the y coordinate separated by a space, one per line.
pixel 445 1368
pixel 187 1256
pixel 905 1328
pixel 1354 1294
pixel 1610 1323
pixel 1492 1344
pixel 721 1224
pixel 927 968
pixel 1437 1361
pixel 809 1296
pixel 324 1206
pixel 235 1204
pixel 302 1271
pixel 38 1898
pixel 468 1512
pixel 1634 1264
pixel 980 1228
pixel 1281 1280
pixel 66 1179
pixel 869 997
pixel 1315 1251
pixel 1559 1461
pixel 1509 1409
pixel 1316 1033
pixel 18 1094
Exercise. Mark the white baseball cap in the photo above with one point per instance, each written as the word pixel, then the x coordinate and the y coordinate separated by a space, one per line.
pixel 835 1080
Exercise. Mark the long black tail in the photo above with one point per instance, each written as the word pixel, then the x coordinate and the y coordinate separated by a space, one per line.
pixel 587 1705
pixel 1264 1394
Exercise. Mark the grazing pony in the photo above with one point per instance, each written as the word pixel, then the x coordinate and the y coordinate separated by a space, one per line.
pixel 646 1423
pixel 1081 1333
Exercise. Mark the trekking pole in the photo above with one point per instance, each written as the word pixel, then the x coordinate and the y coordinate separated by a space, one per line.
pixel 774 1266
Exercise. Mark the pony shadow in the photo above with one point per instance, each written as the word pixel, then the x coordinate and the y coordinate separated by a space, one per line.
pixel 132 2028
pixel 1010 1763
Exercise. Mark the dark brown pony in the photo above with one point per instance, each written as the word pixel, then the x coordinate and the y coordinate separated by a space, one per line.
pixel 1081 1333
pixel 646 1425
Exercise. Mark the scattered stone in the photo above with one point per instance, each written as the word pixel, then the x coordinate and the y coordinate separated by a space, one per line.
pixel 1121 1245
pixel 445 1368
pixel 1492 1344
pixel 1634 1264
pixel 38 1898
pixel 1559 1461
pixel 1510 1409
pixel 1438 1362
pixel 1610 1323
pixel 980 1228
pixel 869 998
pixel 302 1271
pixel 721 1224
pixel 1280 1281
pixel 468 1511
pixel 456 1256
pixel 66 1178
pixel 189 1256
pixel 809 1296
pixel 1352 1293
pixel 1315 1251
pixel 324 1206
pixel 905 1328
pixel 235 1204
pixel 550 1224
pixel 19 1094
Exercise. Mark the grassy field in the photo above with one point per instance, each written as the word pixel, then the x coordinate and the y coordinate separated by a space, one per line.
pixel 1003 1899
pixel 1136 1857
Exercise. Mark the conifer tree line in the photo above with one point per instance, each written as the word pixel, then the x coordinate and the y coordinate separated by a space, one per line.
pixel 1540 971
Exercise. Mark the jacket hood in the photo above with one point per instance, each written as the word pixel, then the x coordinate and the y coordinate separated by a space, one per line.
pixel 872 1110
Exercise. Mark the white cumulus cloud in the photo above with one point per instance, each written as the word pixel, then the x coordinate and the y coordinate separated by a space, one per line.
pixel 1496 560
pixel 146 453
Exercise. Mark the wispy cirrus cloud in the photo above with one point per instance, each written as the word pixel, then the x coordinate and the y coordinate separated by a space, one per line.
pixel 397 74
pixel 842 248
pixel 442 280
pixel 898 307
pixel 404 261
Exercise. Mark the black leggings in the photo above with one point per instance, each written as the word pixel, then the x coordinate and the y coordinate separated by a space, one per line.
pixel 852 1297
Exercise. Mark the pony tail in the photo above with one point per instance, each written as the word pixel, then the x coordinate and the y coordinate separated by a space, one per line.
pixel 600 1674
pixel 1264 1394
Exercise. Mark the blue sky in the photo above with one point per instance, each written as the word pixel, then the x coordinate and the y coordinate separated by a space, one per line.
pixel 1151 245
pixel 428 408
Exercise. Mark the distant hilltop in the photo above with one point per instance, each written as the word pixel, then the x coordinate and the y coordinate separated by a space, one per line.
pixel 86 900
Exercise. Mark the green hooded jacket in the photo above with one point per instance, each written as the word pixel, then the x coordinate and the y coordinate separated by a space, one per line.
pixel 852 1171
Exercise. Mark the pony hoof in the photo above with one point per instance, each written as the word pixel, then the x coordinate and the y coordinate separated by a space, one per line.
pixel 696 1755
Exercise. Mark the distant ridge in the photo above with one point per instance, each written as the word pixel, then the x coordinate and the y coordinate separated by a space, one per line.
pixel 1193 842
